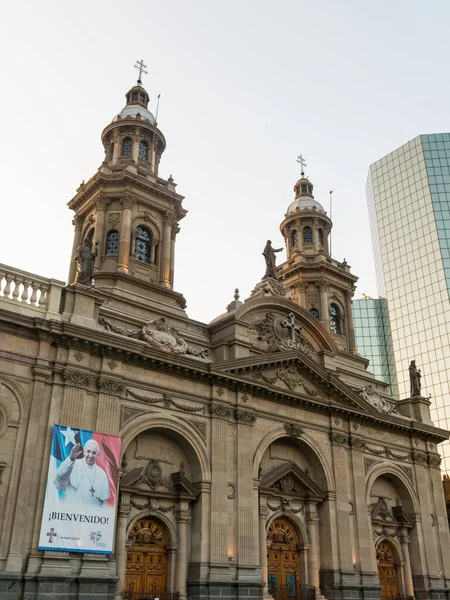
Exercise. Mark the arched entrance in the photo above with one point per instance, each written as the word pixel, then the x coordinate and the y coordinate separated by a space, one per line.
pixel 283 558
pixel 387 570
pixel 147 557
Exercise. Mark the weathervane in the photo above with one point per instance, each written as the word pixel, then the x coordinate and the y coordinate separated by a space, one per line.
pixel 302 162
pixel 140 65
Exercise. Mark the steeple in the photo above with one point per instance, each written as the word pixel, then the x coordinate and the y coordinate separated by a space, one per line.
pixel 128 211
pixel 320 284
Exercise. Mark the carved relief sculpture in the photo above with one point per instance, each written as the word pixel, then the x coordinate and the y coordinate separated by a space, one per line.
pixel 282 333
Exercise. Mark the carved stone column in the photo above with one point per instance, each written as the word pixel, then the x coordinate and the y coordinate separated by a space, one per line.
pixel 101 203
pixel 136 140
pixel 165 254
pixel 302 291
pixel 77 222
pixel 120 549
pixel 263 512
pixel 116 151
pixel 350 326
pixel 316 235
pixel 324 310
pixel 173 236
pixel 183 517
pixel 313 564
pixel 409 586
pixel 171 564
pixel 125 233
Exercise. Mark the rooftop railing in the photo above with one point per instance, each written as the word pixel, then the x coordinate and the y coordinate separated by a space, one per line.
pixel 29 294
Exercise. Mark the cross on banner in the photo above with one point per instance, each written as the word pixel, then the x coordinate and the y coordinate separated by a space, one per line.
pixel 291 325
pixel 51 534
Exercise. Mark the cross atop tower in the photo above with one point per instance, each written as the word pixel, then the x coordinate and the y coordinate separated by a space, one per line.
pixel 140 65
pixel 302 162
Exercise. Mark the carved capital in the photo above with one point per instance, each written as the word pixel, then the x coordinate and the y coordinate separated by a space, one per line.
pixel 357 443
pixel 77 378
pixel 434 460
pixel 222 411
pixel 338 438
pixel 101 202
pixel 128 201
pixel 293 429
pixel 419 457
pixel 167 219
pixel 111 386
pixel 77 222
pixel 246 417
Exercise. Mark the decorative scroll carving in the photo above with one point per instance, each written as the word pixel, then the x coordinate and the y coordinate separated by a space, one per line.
pixel 231 491
pixel 244 416
pixel 77 378
pixel 291 376
pixel 168 400
pixel 158 335
pixel 384 552
pixel 293 429
pixel 150 475
pixel 111 386
pixel 369 463
pixel 419 457
pixel 397 456
pixel 357 443
pixel 220 410
pixel 434 460
pixel 338 438
pixel 377 451
pixel 282 333
pixel 129 413
pixel 372 397
pixel 200 427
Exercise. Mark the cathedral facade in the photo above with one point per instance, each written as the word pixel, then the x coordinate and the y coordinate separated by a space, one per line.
pixel 259 456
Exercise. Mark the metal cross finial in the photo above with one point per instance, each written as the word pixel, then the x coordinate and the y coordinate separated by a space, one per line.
pixel 140 65
pixel 302 162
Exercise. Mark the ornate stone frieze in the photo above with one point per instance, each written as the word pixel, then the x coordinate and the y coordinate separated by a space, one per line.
pixel 339 438
pixel 357 443
pixel 396 455
pixel 77 378
pixel 434 460
pixel 293 429
pixel 369 463
pixel 111 386
pixel 221 410
pixel 373 397
pixel 282 333
pixel 128 413
pixel 419 457
pixel 246 417
pixel 291 377
pixel 383 531
pixel 158 335
pixel 151 475
pixel 166 400
pixel 376 450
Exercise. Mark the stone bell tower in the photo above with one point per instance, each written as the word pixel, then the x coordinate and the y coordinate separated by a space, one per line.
pixel 126 211
pixel 315 280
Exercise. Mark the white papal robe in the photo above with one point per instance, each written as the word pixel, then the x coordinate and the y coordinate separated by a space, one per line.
pixel 82 483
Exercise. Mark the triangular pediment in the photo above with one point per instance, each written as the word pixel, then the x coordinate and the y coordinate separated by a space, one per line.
pixel 294 374
pixel 289 478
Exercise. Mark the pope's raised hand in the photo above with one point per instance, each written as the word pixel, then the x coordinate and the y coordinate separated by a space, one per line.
pixel 76 452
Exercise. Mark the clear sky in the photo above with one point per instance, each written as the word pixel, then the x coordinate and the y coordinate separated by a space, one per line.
pixel 246 86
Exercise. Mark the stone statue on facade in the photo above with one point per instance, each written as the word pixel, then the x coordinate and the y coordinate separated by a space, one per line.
pixel 85 263
pixel 269 255
pixel 414 378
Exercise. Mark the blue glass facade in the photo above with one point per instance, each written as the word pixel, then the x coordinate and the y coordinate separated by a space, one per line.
pixel 374 339
pixel 408 196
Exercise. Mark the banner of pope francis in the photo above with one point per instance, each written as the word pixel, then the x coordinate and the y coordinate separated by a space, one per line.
pixel 80 499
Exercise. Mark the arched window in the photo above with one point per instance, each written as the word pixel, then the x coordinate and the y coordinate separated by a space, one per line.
pixel 315 313
pixel 142 244
pixel 335 319
pixel 143 150
pixel 320 232
pixel 112 243
pixel 294 238
pixel 127 146
pixel 307 235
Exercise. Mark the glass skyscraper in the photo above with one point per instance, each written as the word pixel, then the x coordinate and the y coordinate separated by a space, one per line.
pixel 408 195
pixel 374 339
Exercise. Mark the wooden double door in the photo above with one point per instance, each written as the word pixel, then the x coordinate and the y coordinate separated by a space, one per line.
pixel 283 558
pixel 147 558
pixel 387 570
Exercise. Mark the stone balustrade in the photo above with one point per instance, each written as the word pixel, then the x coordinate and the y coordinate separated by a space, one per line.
pixel 29 294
